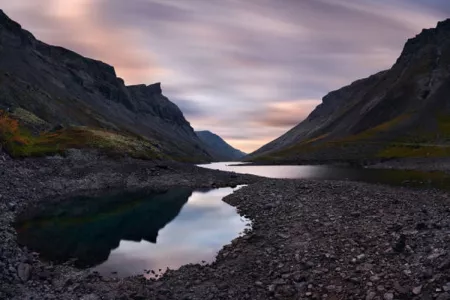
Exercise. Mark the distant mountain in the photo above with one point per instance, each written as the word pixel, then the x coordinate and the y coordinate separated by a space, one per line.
pixel 218 148
pixel 59 87
pixel 403 111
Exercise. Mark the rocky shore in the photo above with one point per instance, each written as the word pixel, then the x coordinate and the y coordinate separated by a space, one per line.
pixel 44 181
pixel 310 239
pixel 419 164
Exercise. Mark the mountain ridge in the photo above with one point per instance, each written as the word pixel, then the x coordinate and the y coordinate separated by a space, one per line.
pixel 218 147
pixel 372 116
pixel 60 86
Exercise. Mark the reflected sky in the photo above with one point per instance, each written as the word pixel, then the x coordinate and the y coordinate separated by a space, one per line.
pixel 204 225
pixel 286 172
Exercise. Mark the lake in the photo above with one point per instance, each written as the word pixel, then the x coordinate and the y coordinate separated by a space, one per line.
pixel 408 178
pixel 133 233
pixel 144 233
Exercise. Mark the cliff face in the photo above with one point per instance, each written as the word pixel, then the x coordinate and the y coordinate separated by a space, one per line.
pixel 62 87
pixel 405 104
pixel 218 148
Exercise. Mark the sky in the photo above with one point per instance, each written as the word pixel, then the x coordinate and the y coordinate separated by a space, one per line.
pixel 248 70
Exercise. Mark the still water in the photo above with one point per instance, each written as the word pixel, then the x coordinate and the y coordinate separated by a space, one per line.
pixel 322 172
pixel 131 234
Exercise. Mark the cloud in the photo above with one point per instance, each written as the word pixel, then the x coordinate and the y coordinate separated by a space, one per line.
pixel 286 114
pixel 230 65
pixel 75 24
pixel 189 107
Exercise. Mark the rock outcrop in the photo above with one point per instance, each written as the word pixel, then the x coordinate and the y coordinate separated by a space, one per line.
pixel 407 104
pixel 62 87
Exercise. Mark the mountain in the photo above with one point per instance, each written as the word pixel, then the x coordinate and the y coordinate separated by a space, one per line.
pixel 218 148
pixel 403 111
pixel 58 87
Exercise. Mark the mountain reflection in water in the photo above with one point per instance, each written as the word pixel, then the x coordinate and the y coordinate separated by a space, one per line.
pixel 127 233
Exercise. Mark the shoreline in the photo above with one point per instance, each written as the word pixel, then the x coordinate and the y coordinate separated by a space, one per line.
pixel 308 239
pixel 419 164
pixel 36 181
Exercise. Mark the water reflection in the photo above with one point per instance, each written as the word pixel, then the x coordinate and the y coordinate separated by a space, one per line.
pixel 130 233
pixel 410 178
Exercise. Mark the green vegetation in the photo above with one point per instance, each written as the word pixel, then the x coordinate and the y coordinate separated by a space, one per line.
pixel 318 144
pixel 18 141
pixel 404 150
pixel 374 143
pixel 421 142
pixel 28 118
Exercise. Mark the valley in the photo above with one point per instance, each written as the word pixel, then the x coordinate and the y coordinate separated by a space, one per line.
pixel 108 192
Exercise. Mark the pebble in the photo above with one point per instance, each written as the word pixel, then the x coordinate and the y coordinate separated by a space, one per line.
pixel 24 271
pixel 370 295
pixel 388 296
pixel 90 297
pixel 417 290
pixel 443 296
pixel 446 287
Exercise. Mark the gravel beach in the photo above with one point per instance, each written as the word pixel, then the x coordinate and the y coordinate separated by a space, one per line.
pixel 310 239
pixel 420 164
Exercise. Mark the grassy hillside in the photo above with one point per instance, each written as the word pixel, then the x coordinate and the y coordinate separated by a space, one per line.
pixel 18 140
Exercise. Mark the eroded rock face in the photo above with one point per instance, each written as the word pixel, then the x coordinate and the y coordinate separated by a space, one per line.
pixel 416 86
pixel 62 87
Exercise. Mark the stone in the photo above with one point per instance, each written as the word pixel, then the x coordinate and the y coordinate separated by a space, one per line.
pixel 388 296
pixel 445 265
pixel 258 283
pixel 436 253
pixel 271 288
pixel 400 244
pixel 400 289
pixel 331 288
pixel 269 206
pixel 417 290
pixel 24 271
pixel 283 235
pixel 421 226
pixel 370 295
pixel 443 296
pixel 90 297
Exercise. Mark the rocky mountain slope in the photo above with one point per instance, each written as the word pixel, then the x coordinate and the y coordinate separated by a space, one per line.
pixel 218 148
pixel 403 111
pixel 59 87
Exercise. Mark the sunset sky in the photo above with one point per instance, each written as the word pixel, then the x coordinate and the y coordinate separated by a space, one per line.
pixel 248 70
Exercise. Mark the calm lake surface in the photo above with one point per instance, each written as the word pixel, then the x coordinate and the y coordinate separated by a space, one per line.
pixel 384 176
pixel 132 234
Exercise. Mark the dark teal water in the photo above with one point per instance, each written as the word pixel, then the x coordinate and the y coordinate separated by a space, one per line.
pixel 133 233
